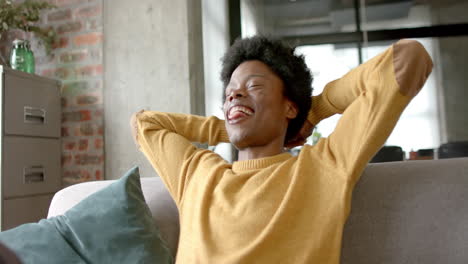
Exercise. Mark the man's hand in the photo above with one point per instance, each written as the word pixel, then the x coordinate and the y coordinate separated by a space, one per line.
pixel 301 137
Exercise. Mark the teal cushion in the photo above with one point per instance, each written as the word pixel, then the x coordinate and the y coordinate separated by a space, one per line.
pixel 113 225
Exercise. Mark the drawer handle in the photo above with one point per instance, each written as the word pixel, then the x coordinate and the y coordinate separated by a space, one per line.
pixel 33 174
pixel 34 115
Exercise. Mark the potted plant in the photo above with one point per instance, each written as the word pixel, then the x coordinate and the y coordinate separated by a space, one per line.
pixel 24 16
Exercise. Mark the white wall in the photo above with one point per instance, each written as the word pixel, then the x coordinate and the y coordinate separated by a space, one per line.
pixel 215 43
pixel 253 19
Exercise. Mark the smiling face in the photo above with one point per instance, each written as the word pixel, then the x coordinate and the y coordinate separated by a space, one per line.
pixel 255 109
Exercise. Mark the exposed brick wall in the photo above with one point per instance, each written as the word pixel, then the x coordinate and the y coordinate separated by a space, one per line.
pixel 77 61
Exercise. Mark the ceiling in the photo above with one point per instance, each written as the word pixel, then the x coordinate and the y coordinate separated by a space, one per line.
pixel 303 17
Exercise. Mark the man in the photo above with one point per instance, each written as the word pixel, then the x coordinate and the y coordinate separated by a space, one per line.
pixel 269 206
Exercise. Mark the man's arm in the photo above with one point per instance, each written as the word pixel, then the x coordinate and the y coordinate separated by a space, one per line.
pixel 371 98
pixel 165 139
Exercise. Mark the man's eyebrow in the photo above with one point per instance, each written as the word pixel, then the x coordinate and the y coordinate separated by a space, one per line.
pixel 256 75
pixel 248 77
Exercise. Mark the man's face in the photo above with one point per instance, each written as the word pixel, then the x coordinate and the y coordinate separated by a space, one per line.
pixel 255 109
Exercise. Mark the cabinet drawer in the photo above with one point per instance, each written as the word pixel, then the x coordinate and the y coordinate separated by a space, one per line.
pixel 24 210
pixel 31 166
pixel 32 106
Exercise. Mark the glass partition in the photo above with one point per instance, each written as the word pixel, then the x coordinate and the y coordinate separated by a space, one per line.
pixel 337 35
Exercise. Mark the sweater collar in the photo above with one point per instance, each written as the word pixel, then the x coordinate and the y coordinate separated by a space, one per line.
pixel 259 163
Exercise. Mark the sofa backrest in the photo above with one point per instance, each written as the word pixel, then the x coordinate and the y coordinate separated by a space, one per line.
pixel 409 212
pixel 402 212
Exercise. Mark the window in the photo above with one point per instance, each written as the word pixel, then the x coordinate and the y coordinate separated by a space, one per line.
pixel 336 36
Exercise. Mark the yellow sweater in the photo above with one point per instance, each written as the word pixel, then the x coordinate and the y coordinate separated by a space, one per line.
pixel 281 209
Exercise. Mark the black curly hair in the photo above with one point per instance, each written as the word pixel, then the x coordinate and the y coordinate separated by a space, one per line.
pixel 280 57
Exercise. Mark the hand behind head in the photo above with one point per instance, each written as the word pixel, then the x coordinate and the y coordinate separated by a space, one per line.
pixel 302 136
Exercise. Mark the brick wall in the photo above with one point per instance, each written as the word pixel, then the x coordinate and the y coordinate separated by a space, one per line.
pixel 76 60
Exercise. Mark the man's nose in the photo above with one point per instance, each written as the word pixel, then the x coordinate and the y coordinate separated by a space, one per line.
pixel 237 93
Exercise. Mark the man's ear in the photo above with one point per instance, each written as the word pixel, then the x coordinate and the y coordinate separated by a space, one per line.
pixel 291 110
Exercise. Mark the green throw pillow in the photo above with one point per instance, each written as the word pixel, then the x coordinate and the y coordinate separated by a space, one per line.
pixel 113 225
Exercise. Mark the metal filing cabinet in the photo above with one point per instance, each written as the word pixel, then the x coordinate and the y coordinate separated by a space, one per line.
pixel 30 156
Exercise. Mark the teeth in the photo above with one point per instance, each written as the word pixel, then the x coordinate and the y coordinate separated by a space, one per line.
pixel 240 109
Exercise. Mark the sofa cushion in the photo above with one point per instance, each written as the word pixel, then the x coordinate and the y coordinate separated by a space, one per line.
pixel 113 225
pixel 160 202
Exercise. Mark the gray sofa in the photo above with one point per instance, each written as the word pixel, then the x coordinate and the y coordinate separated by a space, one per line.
pixel 402 212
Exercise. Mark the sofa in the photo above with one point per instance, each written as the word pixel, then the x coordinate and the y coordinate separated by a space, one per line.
pixel 402 212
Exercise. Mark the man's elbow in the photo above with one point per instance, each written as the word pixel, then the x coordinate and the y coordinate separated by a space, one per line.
pixel 134 127
pixel 412 65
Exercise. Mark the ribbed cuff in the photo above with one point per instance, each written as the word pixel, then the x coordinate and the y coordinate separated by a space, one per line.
pixel 223 135
pixel 320 110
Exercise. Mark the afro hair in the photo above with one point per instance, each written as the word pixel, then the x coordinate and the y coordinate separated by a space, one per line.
pixel 280 58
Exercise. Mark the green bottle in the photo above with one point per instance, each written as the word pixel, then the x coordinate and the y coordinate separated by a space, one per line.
pixel 18 55
pixel 29 59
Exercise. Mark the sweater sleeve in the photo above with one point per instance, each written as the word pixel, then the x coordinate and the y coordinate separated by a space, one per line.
pixel 371 98
pixel 165 139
